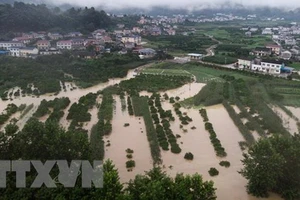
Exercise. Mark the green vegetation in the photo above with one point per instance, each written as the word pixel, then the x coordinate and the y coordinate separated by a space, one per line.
pixel 130 164
pixel 26 110
pixel 57 105
pixel 42 18
pixel 237 121
pixel 189 156
pixel 213 171
pixel 126 124
pixel 129 151
pixel 46 72
pixel 203 114
pixel 224 164
pixel 9 111
pixel 153 83
pixel 158 185
pixel 103 127
pixel 78 112
pixel 51 142
pixel 143 111
pixel 130 109
pixel 168 72
pixel 279 167
pixel 220 151
pixel 211 94
pixel 220 59
pixel 179 44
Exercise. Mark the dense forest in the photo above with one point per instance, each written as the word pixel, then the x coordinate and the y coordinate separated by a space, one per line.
pixel 21 17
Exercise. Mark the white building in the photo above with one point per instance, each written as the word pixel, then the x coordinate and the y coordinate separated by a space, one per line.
pixel 64 44
pixel 244 64
pixel 14 51
pixel 272 67
pixel 134 39
pixel 5 45
pixel 267 31
pixel 28 51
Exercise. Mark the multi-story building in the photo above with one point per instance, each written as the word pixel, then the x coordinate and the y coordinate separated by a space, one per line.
pixel 274 48
pixel 133 39
pixel 64 44
pixel 6 44
pixel 43 44
pixel 27 52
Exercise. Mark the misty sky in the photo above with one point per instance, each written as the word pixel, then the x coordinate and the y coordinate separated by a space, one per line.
pixel 187 4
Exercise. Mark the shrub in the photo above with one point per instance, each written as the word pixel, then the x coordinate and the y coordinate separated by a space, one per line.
pixel 189 156
pixel 224 164
pixel 130 164
pixel 129 156
pixel 213 171
pixel 126 124
pixel 129 150
pixel 172 100
pixel 175 148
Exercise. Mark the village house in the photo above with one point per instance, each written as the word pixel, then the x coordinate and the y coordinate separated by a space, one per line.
pixel 253 30
pixel 50 51
pixel 267 31
pixel 106 39
pixel 14 51
pixel 24 40
pixel 64 44
pixel 7 44
pixel 244 63
pixel 146 52
pixel 133 39
pixel 43 44
pixel 262 51
pixel 171 32
pixel 290 41
pixel 271 66
pixel 73 34
pixel 77 43
pixel 55 36
pixel 248 34
pixel 195 56
pixel 136 30
pixel 274 48
pixel 28 52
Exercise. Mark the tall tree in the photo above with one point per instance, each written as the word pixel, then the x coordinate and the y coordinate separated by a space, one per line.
pixel 273 164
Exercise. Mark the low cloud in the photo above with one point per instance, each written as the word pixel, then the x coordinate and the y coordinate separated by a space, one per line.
pixel 186 4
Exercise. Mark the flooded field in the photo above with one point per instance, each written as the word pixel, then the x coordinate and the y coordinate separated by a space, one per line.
pixel 133 137
pixel 288 122
pixel 229 183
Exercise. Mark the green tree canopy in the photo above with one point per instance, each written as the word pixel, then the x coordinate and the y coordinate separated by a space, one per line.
pixel 273 165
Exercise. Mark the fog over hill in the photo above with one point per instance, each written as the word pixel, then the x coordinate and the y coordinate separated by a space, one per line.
pixel 271 8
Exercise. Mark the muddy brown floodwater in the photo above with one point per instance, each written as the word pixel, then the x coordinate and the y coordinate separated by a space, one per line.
pixel 229 183
pixel 133 137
